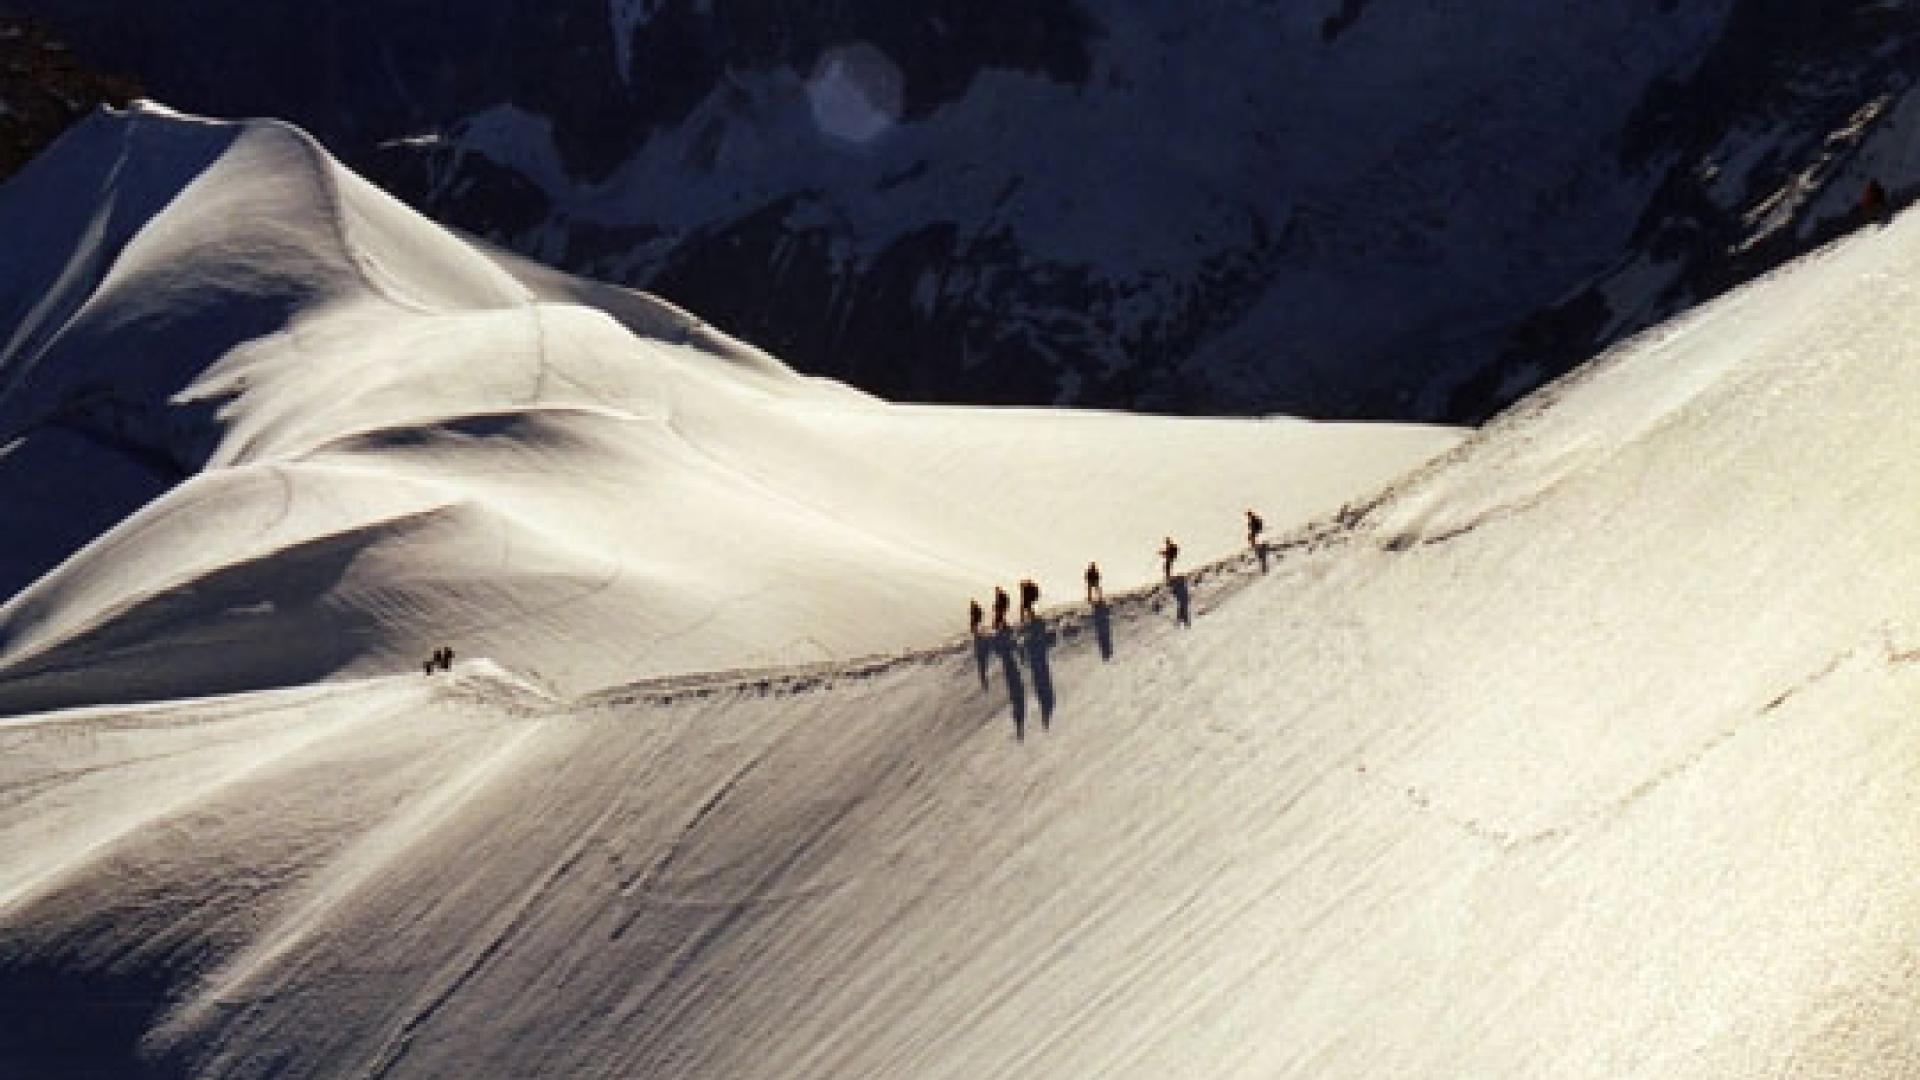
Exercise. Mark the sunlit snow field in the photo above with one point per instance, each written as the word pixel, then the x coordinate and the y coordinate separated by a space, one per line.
pixel 1584 746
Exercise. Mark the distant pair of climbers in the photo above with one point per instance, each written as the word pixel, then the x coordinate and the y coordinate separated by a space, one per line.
pixel 441 660
pixel 1029 596
pixel 1001 604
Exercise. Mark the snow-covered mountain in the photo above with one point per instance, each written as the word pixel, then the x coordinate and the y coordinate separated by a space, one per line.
pixel 1331 209
pixel 1586 750
pixel 261 424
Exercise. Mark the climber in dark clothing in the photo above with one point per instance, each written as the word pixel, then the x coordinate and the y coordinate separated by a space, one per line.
pixel 1874 203
pixel 975 616
pixel 1095 595
pixel 1029 596
pixel 1254 528
pixel 1168 552
pixel 1000 604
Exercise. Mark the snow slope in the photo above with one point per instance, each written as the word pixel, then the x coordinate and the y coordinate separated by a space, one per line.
pixel 264 425
pixel 1588 750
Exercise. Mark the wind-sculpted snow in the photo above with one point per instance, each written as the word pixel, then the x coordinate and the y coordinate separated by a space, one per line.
pixel 280 428
pixel 151 247
pixel 1585 750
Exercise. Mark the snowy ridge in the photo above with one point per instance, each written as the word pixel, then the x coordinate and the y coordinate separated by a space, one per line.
pixel 361 720
pixel 307 415
pixel 1585 749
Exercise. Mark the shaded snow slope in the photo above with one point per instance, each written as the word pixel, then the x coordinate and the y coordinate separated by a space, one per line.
pixel 1586 751
pixel 262 424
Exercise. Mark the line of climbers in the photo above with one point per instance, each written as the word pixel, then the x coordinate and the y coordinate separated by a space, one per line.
pixel 1030 592
pixel 442 658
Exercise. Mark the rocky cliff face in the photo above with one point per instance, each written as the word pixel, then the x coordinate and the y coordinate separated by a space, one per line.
pixel 1337 209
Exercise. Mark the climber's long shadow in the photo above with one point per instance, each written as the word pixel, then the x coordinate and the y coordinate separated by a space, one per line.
pixel 1016 684
pixel 1182 600
pixel 1103 629
pixel 1038 640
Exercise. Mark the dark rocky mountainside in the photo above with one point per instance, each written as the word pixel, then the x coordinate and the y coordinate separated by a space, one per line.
pixel 1765 150
pixel 44 88
pixel 1344 208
